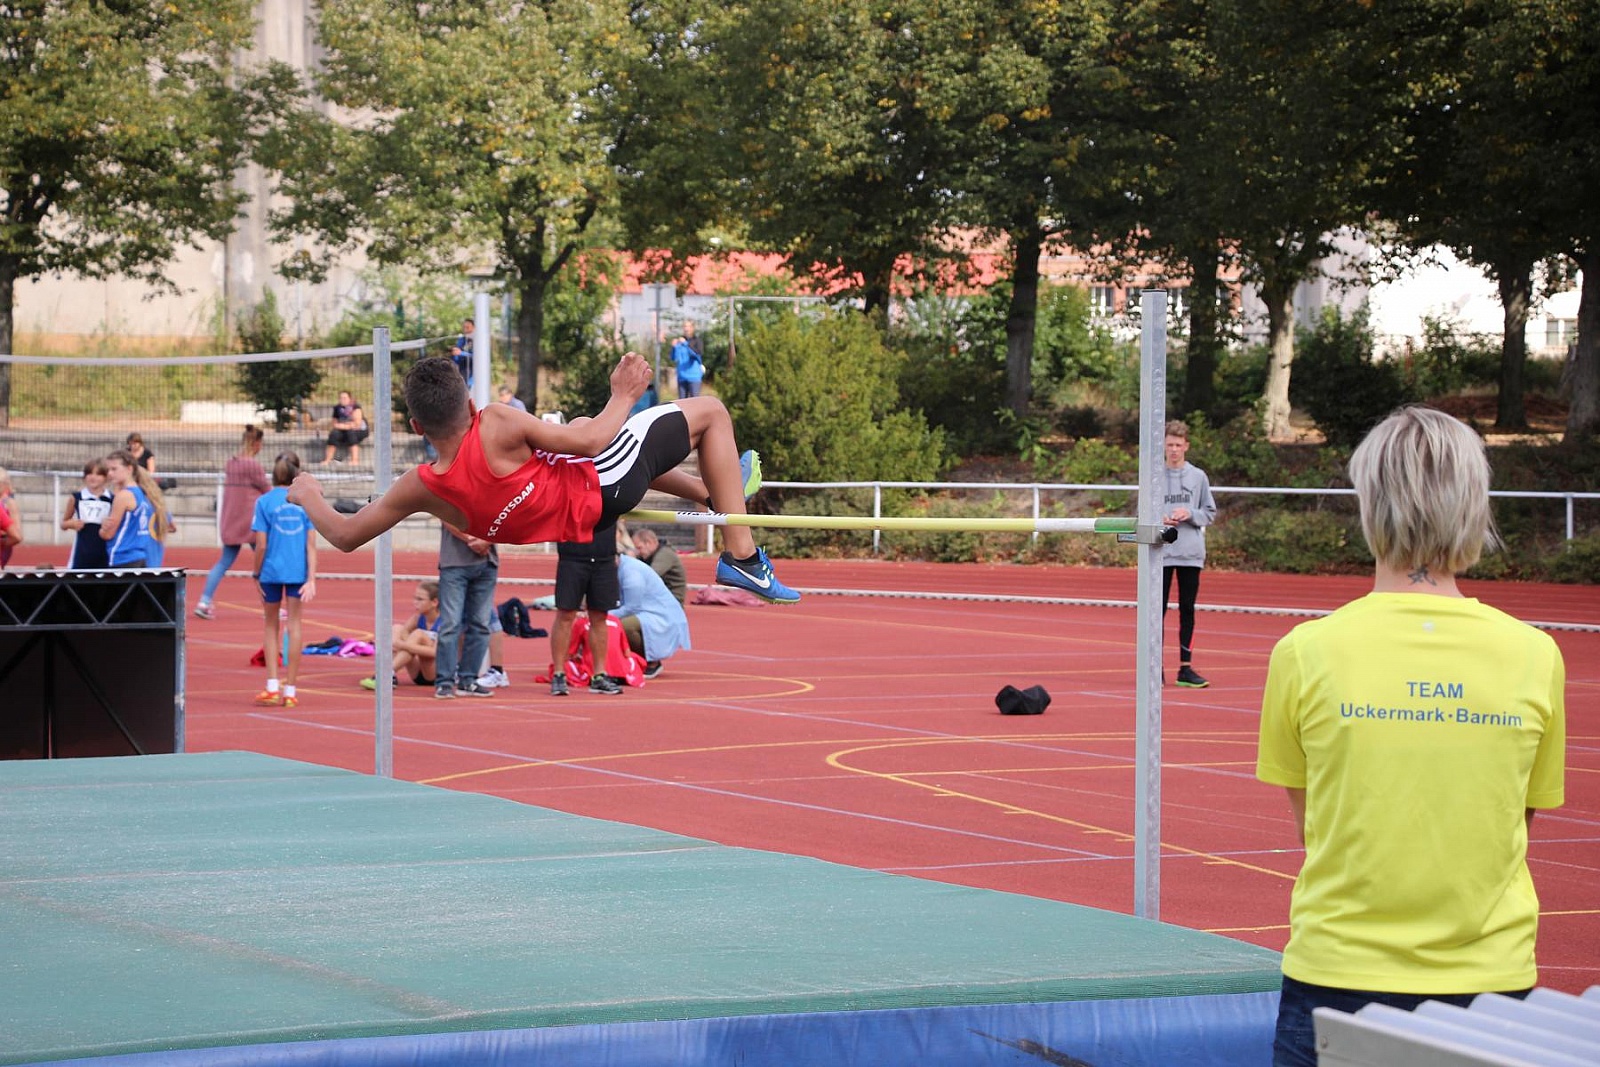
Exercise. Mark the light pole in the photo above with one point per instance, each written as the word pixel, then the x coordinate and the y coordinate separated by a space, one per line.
pixel 657 299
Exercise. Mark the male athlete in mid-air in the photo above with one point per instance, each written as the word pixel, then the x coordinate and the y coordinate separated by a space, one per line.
pixel 510 478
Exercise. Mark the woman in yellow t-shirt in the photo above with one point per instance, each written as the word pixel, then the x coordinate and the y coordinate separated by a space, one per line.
pixel 1416 730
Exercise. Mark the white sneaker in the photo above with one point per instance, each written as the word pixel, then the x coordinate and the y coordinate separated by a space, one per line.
pixel 493 679
pixel 202 610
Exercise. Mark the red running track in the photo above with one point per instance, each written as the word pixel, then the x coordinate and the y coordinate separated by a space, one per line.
pixel 862 730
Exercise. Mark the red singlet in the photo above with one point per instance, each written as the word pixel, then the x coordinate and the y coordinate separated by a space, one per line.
pixel 552 497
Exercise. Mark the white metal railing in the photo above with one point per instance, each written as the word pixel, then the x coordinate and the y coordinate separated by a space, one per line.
pixel 61 480
pixel 1039 489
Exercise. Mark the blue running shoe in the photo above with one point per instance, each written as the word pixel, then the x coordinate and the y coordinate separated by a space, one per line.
pixel 749 472
pixel 755 577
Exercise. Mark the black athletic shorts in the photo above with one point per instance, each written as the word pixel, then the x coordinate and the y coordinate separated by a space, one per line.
pixel 649 444
pixel 591 580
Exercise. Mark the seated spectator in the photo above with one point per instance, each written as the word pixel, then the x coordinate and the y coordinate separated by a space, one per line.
pixel 349 429
pixel 416 642
pixel 655 623
pixel 510 399
pixel 146 458
pixel 663 559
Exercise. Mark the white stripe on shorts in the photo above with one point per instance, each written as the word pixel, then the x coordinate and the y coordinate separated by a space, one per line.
pixel 618 458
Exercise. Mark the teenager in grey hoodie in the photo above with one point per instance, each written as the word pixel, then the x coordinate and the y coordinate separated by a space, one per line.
pixel 1188 506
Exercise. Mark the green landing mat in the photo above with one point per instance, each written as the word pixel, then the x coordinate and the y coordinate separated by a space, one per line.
pixel 190 901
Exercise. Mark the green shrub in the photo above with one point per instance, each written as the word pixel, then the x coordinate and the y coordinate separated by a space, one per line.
pixel 956 368
pixel 819 399
pixel 1450 360
pixel 954 372
pixel 1091 461
pixel 1240 382
pixel 954 546
pixel 825 544
pixel 1287 541
pixel 1577 562
pixel 1337 380
pixel 1081 421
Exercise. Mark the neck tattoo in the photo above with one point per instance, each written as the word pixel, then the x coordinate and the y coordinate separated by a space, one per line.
pixel 1421 575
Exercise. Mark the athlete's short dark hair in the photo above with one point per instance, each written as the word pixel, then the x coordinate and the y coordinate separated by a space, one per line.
pixel 436 396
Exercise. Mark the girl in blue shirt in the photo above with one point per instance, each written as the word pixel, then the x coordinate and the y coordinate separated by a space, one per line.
pixel 126 530
pixel 286 571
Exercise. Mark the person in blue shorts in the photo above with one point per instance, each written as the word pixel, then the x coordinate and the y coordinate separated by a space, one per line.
pixel 286 572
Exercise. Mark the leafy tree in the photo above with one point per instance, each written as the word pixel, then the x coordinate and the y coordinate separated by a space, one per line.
pixel 1179 185
pixel 1041 160
pixel 119 138
pixel 1309 100
pixel 818 398
pixel 1500 147
pixel 470 131
pixel 577 303
pixel 279 386
pixel 411 303
pixel 832 140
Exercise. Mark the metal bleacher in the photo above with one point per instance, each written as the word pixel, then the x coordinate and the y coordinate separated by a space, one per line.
pixel 1548 1029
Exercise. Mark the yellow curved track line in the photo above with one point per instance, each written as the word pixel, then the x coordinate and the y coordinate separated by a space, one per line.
pixel 836 760
pixel 1121 735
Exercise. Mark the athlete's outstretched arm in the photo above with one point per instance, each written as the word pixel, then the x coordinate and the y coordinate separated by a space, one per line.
pixel 406 497
pixel 589 436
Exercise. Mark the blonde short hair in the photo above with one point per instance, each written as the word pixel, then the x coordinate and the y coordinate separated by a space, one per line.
pixel 1422 478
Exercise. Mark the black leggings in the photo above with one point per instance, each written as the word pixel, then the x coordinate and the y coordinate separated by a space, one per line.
pixel 1188 590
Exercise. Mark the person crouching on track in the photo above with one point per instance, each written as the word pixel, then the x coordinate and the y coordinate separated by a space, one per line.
pixel 286 573
pixel 1416 731
pixel 509 478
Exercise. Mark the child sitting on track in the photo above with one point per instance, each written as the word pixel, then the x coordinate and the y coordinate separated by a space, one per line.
pixel 510 478
pixel 286 572
pixel 416 643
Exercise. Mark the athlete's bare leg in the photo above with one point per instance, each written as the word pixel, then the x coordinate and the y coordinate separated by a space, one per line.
pixel 680 483
pixel 711 435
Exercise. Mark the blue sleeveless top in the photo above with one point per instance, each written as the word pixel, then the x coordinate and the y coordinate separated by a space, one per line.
pixel 130 545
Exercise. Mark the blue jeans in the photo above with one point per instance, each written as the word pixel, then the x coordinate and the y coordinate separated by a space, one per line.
pixel 1296 1042
pixel 214 579
pixel 466 596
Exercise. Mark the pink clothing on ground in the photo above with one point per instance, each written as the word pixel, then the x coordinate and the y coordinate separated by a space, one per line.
pixel 243 482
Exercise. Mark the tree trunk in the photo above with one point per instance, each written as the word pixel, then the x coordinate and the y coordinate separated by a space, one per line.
pixel 1021 319
pixel 8 292
pixel 530 334
pixel 1583 414
pixel 1516 289
pixel 1278 295
pixel 1200 367
pixel 876 289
